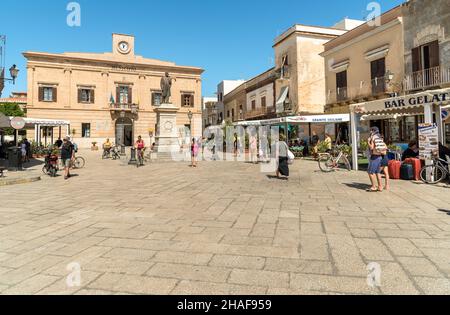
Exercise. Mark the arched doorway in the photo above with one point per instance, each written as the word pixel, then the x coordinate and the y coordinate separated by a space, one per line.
pixel 124 132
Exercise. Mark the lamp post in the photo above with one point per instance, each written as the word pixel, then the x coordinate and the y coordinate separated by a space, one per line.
pixel 287 110
pixel 13 72
pixel 190 116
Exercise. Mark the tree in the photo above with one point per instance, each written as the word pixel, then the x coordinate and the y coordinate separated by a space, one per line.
pixel 11 110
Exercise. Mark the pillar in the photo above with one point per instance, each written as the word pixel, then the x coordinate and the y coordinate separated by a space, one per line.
pixel 439 122
pixel 354 130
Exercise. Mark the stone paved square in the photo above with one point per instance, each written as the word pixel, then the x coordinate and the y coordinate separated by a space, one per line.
pixel 222 228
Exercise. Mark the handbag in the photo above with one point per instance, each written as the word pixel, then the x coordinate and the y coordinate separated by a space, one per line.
pixel 291 157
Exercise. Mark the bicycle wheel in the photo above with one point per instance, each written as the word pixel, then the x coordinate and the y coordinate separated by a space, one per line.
pixel 432 174
pixel 79 162
pixel 326 163
pixel 347 163
pixel 44 170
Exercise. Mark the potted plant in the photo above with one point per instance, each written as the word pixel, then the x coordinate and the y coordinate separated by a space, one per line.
pixel 94 146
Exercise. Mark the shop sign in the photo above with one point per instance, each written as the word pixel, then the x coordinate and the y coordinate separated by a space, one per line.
pixel 18 123
pixel 428 140
pixel 445 114
pixel 416 100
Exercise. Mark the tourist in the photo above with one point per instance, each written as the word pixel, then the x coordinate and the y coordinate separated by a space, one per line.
pixel 444 152
pixel 140 146
pixel 377 148
pixel 28 150
pixel 253 143
pixel 58 143
pixel 315 142
pixel 329 142
pixel 67 155
pixel 23 150
pixel 236 145
pixel 385 170
pixel 194 152
pixel 283 165
pixel 107 147
pixel 411 152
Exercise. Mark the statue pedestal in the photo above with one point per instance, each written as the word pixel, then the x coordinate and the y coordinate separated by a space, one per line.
pixel 166 135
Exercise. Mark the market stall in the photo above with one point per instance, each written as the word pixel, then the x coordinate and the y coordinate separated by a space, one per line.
pixel 429 103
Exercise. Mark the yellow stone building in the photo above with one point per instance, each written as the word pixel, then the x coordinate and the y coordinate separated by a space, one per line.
pixel 110 95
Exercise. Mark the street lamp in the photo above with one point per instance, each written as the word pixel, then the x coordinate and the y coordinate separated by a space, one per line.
pixel 14 72
pixel 190 116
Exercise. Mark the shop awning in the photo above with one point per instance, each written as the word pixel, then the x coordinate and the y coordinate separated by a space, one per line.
pixel 403 103
pixel 338 118
pixel 282 99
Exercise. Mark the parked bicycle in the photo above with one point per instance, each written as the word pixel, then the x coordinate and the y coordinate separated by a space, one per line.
pixel 436 172
pixel 115 153
pixel 51 164
pixel 329 162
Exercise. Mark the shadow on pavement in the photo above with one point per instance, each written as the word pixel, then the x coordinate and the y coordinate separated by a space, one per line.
pixel 445 211
pixel 358 186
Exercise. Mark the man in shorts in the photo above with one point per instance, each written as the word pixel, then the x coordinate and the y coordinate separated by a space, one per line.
pixel 67 155
pixel 376 144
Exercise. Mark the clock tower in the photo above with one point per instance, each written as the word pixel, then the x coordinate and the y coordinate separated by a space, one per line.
pixel 123 45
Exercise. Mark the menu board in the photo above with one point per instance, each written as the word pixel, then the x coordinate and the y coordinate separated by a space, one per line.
pixel 428 140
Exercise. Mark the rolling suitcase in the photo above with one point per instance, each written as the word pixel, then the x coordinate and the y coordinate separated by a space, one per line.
pixel 407 172
pixel 394 169
pixel 417 167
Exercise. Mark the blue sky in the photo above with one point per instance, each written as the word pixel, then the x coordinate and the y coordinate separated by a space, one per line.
pixel 230 39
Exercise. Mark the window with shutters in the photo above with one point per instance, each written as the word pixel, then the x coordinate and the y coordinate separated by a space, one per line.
pixel 426 65
pixel 377 75
pixel 124 94
pixel 253 104
pixel 156 98
pixel 48 94
pixel 263 102
pixel 85 130
pixel 187 100
pixel 341 85
pixel 86 96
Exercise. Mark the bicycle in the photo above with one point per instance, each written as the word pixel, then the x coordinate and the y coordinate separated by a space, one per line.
pixel 140 158
pixel 329 162
pixel 436 172
pixel 77 163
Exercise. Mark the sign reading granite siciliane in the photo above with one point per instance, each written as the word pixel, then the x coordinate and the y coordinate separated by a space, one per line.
pixel 428 140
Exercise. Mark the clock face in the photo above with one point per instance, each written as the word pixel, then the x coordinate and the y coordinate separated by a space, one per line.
pixel 124 47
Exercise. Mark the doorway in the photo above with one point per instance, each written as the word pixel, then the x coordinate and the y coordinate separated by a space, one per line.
pixel 124 132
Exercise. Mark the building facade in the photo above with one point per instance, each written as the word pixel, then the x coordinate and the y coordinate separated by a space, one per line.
pixel 111 95
pixel 300 68
pixel 209 111
pixel 356 67
pixel 427 47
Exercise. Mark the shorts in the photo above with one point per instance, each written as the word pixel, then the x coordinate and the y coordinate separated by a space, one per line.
pixel 385 161
pixel 375 164
pixel 66 163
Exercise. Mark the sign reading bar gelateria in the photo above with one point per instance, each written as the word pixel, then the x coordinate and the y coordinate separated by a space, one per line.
pixel 417 100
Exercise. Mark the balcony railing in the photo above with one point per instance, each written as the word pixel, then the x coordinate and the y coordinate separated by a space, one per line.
pixel 134 108
pixel 260 112
pixel 375 88
pixel 427 78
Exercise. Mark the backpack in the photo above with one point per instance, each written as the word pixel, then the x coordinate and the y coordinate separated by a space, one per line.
pixel 380 147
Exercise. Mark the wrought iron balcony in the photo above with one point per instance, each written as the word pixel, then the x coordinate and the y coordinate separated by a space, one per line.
pixel 260 112
pixel 118 107
pixel 427 78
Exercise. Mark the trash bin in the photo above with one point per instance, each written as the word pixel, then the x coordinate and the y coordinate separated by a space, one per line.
pixel 15 158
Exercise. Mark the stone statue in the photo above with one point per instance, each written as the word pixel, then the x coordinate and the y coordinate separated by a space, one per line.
pixel 166 85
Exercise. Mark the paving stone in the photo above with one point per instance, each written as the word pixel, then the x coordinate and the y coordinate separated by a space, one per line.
pixel 402 247
pixel 189 272
pixel 133 284
pixel 373 249
pixel 187 287
pixel 395 281
pixel 299 266
pixel 117 266
pixel 433 286
pixel 130 254
pixel 31 285
pixel 259 278
pixel 182 258
pixel 330 283
pixel 418 266
pixel 240 262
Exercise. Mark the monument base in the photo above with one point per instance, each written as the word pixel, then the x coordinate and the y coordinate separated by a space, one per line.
pixel 167 137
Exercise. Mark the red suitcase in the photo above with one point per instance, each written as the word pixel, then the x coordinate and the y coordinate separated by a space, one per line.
pixel 417 166
pixel 394 169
